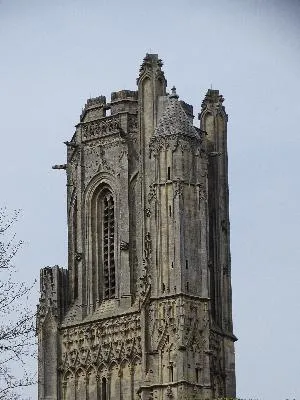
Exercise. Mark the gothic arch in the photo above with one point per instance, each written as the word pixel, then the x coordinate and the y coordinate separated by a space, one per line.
pixel 92 383
pixel 113 364
pixel 68 385
pixel 80 371
pixel 91 369
pixel 103 369
pixel 135 362
pixel 102 248
pixel 146 75
pixel 69 374
pixel 207 117
pixel 125 361
pixel 80 383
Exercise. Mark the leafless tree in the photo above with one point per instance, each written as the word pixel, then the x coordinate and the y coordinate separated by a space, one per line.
pixel 16 319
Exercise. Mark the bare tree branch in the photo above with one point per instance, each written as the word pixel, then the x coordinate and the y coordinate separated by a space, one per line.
pixel 17 330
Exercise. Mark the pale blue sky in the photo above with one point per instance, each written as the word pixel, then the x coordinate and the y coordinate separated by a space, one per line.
pixel 56 54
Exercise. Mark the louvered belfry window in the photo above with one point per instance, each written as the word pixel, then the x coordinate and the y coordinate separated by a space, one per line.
pixel 109 269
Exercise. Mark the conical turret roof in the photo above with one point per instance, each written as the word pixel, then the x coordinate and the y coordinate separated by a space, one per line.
pixel 175 120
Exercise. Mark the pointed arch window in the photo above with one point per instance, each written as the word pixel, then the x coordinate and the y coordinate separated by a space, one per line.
pixel 108 244
pixel 102 279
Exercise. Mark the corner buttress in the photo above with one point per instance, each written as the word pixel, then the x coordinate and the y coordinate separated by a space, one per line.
pixel 50 311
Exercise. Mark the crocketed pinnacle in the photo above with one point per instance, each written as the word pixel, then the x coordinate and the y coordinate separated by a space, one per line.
pixel 174 119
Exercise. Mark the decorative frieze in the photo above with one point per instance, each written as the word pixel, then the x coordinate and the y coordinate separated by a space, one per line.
pixel 101 127
pixel 102 342
pixel 174 142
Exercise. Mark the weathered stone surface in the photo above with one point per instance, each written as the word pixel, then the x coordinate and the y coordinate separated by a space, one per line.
pixel 144 309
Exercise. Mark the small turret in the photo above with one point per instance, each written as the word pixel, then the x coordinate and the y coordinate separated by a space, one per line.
pixel 124 101
pixel 94 108
pixel 175 117
pixel 51 309
pixel 151 84
pixel 213 120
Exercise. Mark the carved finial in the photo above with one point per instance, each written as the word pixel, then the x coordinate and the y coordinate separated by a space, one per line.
pixel 213 102
pixel 173 95
pixel 152 65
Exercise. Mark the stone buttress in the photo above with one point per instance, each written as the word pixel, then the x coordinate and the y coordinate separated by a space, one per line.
pixel 144 309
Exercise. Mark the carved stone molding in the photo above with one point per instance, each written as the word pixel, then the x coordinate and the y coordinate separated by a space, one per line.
pixel 173 142
pixel 100 127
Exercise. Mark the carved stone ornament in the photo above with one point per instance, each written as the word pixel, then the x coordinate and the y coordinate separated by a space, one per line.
pixel 132 123
pixel 145 279
pixel 124 245
pixel 104 164
pixel 151 64
pixel 78 256
pixel 148 245
pixel 202 192
pixel 97 343
pixel 169 393
pixel 173 142
pixel 152 193
pixel 101 127
pixel 168 326
pixel 178 186
pixel 98 159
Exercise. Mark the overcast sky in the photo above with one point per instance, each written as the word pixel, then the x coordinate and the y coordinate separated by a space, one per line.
pixel 55 54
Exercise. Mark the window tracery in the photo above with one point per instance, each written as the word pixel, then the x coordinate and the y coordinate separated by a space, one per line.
pixel 108 245
pixel 103 245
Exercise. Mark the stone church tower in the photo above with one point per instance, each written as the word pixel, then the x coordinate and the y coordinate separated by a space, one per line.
pixel 144 309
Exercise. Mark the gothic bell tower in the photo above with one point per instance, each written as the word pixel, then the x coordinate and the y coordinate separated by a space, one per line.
pixel 143 310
